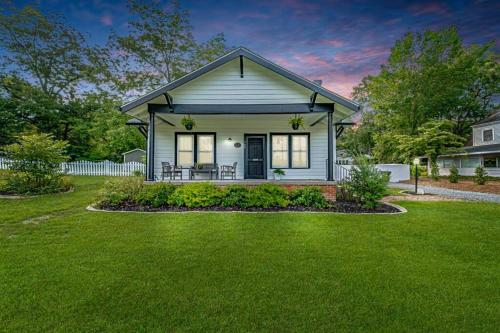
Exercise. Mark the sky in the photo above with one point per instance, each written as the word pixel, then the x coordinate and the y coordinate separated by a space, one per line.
pixel 336 41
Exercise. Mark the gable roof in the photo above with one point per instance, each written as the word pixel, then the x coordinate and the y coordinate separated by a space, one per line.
pixel 241 51
pixel 490 119
pixel 131 151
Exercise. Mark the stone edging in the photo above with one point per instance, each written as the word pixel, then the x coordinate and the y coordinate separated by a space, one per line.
pixel 401 209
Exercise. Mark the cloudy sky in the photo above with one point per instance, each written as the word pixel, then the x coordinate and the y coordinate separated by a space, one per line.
pixel 336 41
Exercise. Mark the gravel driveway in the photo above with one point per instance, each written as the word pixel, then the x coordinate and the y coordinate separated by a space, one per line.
pixel 466 195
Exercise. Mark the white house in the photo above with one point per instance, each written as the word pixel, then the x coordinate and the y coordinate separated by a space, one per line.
pixel 242 104
pixel 485 150
pixel 134 155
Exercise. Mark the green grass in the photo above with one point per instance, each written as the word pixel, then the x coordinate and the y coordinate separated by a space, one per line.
pixel 436 268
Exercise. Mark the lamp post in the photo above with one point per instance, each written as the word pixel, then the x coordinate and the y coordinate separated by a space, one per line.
pixel 416 162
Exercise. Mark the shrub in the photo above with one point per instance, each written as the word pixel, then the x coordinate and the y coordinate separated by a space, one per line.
pixel 236 196
pixel 196 195
pixel 434 171
pixel 138 173
pixel 453 177
pixel 119 190
pixel 155 195
pixel 480 176
pixel 366 185
pixel 267 196
pixel 308 197
pixel 35 166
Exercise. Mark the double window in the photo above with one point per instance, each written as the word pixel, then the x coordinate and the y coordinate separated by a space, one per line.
pixel 194 148
pixel 290 151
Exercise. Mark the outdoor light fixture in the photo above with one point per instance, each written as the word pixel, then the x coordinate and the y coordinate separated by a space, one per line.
pixel 229 139
pixel 416 162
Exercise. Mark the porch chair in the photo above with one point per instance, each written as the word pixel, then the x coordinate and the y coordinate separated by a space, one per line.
pixel 228 170
pixel 170 171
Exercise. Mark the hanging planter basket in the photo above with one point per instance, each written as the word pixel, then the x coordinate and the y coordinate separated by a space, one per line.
pixel 188 123
pixel 296 122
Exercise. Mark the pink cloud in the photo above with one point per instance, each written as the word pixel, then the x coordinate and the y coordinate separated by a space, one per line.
pixel 106 20
pixel 356 56
pixel 335 42
pixel 428 8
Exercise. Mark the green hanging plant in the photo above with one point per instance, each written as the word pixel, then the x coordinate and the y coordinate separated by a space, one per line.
pixel 296 122
pixel 188 122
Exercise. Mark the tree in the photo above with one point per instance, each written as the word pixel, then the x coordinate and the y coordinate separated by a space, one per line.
pixel 45 50
pixel 35 164
pixel 159 48
pixel 433 139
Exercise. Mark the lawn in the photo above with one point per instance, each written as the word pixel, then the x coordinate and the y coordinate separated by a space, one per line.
pixel 62 268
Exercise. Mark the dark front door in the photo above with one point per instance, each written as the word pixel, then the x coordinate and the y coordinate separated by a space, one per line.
pixel 255 157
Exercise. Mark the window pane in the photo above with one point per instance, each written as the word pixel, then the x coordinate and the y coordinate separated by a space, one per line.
pixel 449 163
pixel 206 149
pixel 185 142
pixel 280 151
pixel 185 159
pixel 280 142
pixel 488 135
pixel 280 159
pixel 299 151
pixel 470 162
pixel 490 162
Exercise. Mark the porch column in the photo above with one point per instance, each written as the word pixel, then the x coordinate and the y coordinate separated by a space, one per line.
pixel 151 146
pixel 331 143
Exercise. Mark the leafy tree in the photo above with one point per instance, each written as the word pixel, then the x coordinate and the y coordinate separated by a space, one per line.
pixel 359 140
pixel 35 164
pixel 453 176
pixel 432 139
pixel 45 50
pixel 159 48
pixel 434 171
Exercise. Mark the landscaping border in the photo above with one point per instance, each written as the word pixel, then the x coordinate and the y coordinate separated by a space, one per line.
pixel 401 210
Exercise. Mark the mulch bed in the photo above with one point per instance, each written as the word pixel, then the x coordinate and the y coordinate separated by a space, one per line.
pixel 337 207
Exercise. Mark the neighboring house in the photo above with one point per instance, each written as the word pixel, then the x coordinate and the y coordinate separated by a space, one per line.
pixel 134 155
pixel 485 150
pixel 242 103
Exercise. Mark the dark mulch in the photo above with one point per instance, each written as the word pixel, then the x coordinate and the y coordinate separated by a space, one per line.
pixel 337 206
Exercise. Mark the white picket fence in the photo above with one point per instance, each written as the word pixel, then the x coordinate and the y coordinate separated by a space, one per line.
pixel 88 168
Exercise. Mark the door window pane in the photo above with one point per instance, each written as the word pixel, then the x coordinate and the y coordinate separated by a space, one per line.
pixel 206 149
pixel 299 151
pixel 185 150
pixel 280 151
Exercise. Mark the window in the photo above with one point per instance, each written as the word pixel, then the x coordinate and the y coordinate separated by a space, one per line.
pixel 205 149
pixel 488 135
pixel 290 151
pixel 449 163
pixel 195 148
pixel 490 162
pixel 472 162
pixel 185 149
pixel 279 151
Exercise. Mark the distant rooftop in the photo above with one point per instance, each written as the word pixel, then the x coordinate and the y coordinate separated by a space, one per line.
pixel 493 117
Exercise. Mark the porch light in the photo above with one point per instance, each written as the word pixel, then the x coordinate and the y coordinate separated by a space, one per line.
pixel 416 162
pixel 229 139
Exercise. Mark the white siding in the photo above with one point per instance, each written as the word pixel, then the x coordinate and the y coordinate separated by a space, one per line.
pixel 478 134
pixel 235 127
pixel 224 85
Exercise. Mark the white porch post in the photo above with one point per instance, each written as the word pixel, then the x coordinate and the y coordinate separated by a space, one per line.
pixel 331 147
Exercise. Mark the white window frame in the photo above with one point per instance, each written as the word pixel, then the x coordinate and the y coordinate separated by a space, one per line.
pixel 290 150
pixel 195 151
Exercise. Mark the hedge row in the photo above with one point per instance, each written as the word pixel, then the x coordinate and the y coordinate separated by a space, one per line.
pixel 132 190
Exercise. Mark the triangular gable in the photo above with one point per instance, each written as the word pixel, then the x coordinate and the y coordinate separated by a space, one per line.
pixel 300 85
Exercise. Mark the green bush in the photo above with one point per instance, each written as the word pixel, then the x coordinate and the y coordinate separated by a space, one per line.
pixel 119 190
pixel 267 196
pixel 434 171
pixel 236 196
pixel 366 185
pixel 35 165
pixel 308 197
pixel 453 177
pixel 480 176
pixel 155 195
pixel 196 195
